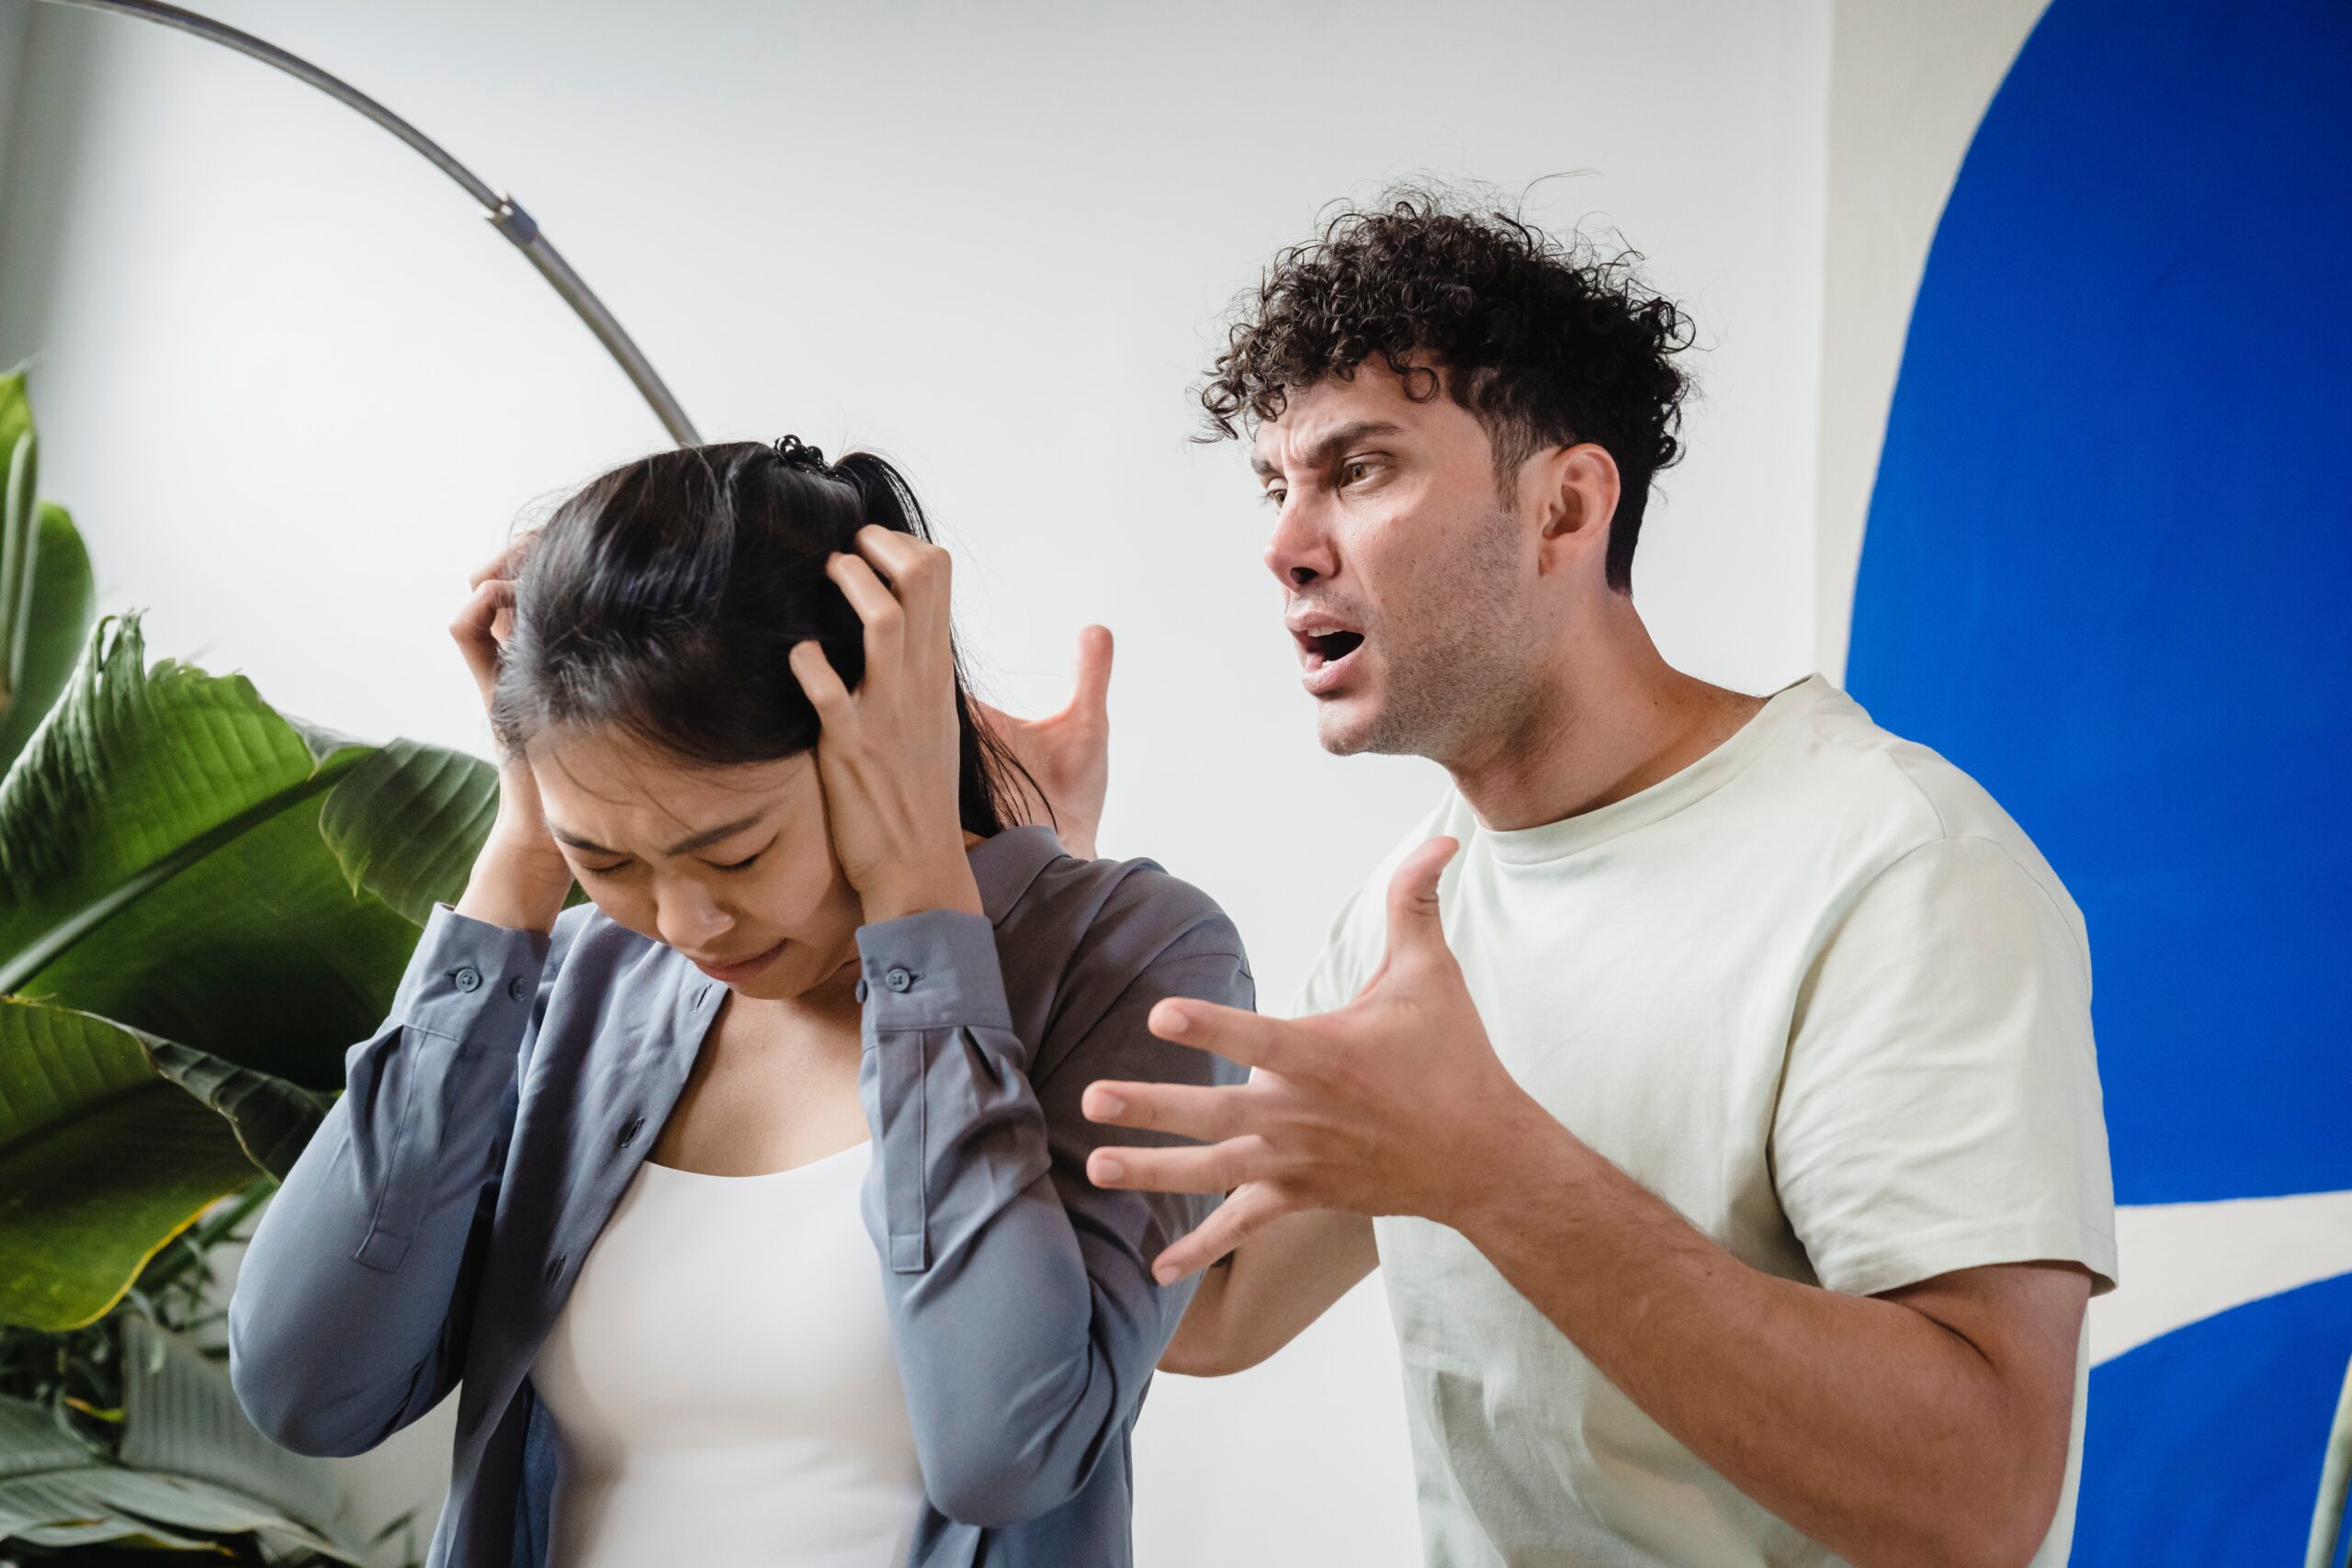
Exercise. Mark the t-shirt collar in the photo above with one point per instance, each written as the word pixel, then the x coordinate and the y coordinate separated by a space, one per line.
pixel 1552 840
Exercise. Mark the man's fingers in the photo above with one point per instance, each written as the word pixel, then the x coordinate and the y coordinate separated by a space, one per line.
pixel 1190 1110
pixel 1217 1168
pixel 1248 1210
pixel 1413 924
pixel 1236 1034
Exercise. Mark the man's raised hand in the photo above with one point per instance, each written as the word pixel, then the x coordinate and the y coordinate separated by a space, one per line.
pixel 1386 1106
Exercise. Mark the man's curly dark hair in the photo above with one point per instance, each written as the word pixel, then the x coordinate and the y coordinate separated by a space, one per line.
pixel 1548 342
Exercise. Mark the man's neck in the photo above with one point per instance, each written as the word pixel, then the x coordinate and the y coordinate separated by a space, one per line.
pixel 1612 719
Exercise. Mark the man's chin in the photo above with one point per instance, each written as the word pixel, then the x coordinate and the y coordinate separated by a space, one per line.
pixel 1346 727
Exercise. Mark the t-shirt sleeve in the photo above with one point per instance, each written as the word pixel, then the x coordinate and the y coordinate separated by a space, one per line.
pixel 1941 1107
pixel 1339 973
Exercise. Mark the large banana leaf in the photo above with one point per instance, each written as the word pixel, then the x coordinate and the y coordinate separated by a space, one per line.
pixel 198 945
pixel 180 1418
pixel 111 1143
pixel 191 1470
pixel 47 597
pixel 162 864
pixel 63 601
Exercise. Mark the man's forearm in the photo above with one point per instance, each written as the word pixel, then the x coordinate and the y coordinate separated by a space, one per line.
pixel 1877 1429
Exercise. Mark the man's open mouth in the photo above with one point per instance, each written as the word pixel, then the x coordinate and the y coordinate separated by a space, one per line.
pixel 1330 647
pixel 1325 649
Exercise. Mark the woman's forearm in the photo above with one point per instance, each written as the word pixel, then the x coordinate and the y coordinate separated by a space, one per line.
pixel 338 1325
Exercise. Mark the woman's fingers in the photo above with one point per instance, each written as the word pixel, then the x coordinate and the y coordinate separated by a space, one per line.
pixel 475 630
pixel 876 605
pixel 919 574
pixel 818 679
pixel 507 561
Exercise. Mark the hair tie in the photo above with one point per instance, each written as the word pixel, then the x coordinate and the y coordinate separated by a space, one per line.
pixel 798 454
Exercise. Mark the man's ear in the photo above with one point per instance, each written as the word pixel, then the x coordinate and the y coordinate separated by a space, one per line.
pixel 1575 489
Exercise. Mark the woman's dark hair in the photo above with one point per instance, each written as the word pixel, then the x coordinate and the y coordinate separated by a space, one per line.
pixel 1547 342
pixel 664 598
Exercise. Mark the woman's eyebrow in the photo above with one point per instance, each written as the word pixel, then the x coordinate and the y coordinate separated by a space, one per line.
pixel 707 837
pixel 712 835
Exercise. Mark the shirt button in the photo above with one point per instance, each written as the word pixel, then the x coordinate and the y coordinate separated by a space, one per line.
pixel 629 1132
pixel 897 979
pixel 555 1268
pixel 516 989
pixel 863 990
pixel 468 978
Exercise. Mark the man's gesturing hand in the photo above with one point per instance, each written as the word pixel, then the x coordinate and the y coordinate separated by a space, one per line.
pixel 1389 1106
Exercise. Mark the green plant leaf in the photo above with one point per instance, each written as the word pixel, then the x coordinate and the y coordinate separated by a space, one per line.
pixel 62 601
pixel 162 864
pixel 408 822
pixel 56 1494
pixel 103 1160
pixel 181 1416
pixel 19 475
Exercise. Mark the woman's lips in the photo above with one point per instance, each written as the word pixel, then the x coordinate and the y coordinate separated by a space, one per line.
pixel 736 974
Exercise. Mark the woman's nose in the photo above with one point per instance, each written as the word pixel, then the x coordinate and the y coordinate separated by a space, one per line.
pixel 688 917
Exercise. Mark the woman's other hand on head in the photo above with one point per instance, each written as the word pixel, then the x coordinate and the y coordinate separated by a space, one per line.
pixel 1067 754
pixel 520 877
pixel 486 618
pixel 888 751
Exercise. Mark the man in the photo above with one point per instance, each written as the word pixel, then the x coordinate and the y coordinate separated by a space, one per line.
pixel 1710 1075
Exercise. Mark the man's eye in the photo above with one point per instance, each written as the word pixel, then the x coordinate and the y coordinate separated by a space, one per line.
pixel 1274 498
pixel 1356 473
pixel 603 869
pixel 743 864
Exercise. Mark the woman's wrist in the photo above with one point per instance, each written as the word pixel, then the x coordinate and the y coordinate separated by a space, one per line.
pixel 918 889
pixel 515 885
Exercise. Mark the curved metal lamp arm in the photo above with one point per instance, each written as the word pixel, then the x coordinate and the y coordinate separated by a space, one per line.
pixel 507 214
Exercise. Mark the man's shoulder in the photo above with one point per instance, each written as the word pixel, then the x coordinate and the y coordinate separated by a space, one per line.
pixel 1844 779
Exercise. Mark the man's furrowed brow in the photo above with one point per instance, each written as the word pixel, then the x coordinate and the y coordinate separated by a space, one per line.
pixel 1327 447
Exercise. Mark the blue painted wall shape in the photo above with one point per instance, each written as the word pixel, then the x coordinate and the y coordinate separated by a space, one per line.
pixel 2108 571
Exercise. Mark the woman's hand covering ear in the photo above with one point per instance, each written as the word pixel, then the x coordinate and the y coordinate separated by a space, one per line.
pixel 888 752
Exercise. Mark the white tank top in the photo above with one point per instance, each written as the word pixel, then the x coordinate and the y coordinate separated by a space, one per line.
pixel 722 1381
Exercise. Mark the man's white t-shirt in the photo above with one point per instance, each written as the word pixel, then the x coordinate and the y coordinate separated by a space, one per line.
pixel 1820 994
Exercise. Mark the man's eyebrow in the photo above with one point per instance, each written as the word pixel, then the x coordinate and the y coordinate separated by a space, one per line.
pixel 1332 444
pixel 685 846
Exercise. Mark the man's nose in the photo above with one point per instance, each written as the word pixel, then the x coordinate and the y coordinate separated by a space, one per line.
pixel 686 915
pixel 1300 550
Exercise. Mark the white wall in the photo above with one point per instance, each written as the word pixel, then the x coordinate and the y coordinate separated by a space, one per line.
pixel 294 389
pixel 1907 85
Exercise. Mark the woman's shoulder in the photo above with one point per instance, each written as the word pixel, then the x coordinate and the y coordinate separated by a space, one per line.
pixel 1120 914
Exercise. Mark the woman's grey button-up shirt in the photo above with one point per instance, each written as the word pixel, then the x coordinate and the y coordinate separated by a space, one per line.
pixel 428 1235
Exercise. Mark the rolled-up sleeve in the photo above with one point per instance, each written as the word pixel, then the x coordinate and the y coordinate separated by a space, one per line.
pixel 1023 1308
pixel 347 1320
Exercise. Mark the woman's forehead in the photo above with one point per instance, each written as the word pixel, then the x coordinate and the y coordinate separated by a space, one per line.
pixel 608 787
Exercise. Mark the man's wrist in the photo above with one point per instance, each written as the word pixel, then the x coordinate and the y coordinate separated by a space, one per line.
pixel 1526 1155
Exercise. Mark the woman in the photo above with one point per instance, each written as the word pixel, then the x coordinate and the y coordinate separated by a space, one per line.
pixel 747 1202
